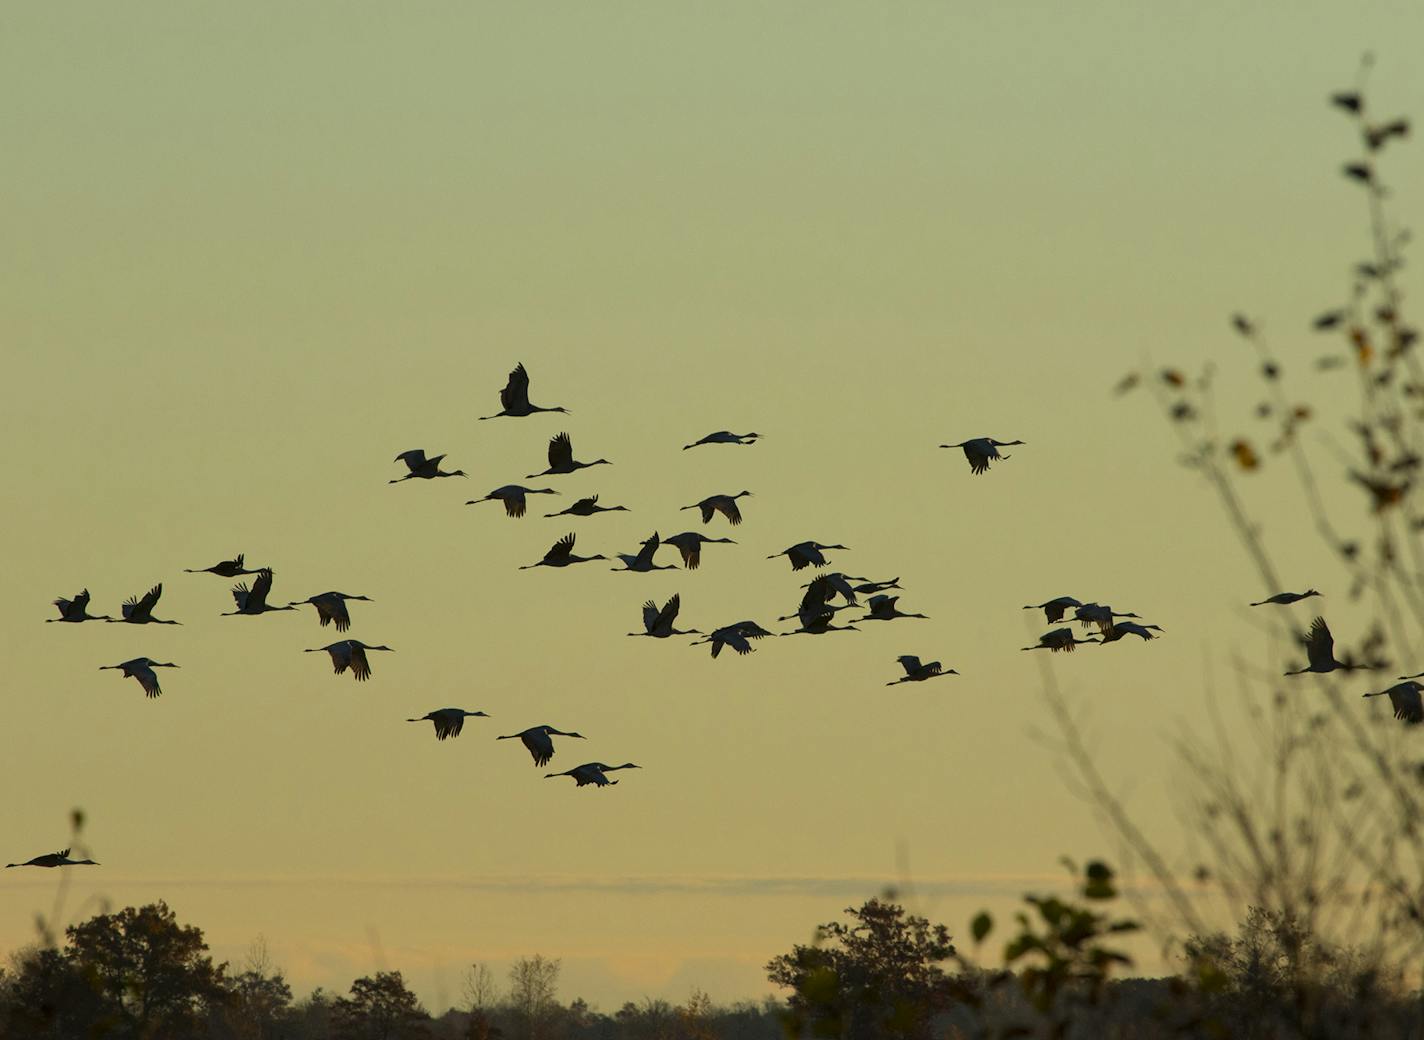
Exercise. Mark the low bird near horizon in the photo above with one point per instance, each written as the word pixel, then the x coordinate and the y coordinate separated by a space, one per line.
pixel 587 507
pixel 76 610
pixel 139 610
pixel 331 607
pixel 724 504
pixel 738 636
pixel 724 437
pixel 233 568
pixel 54 859
pixel 512 495
pixel 917 672
pixel 142 669
pixel 1320 651
pixel 561 554
pixel 514 398
pixel 1060 639
pixel 1404 698
pixel 1054 609
pixel 253 601
pixel 690 543
pixel 1286 598
pixel 1129 628
pixel 538 741
pixel 422 467
pixel 642 561
pixel 807 554
pixel 883 608
pixel 593 773
pixel 981 451
pixel 561 458
pixel 349 653
pixel 659 623
pixel 448 721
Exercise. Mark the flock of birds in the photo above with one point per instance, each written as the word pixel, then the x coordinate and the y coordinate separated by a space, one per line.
pixel 824 597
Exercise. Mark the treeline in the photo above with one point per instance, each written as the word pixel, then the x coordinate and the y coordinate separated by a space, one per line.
pixel 881 974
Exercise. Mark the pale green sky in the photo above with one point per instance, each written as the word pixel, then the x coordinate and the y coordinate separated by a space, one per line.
pixel 252 253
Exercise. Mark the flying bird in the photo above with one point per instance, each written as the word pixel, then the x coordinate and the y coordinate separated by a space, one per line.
pixel 724 504
pixel 54 859
pixel 690 544
pixel 806 554
pixel 1059 639
pixel 331 606
pixel 561 554
pixel 77 609
pixel 737 636
pixel 1129 628
pixel 724 437
pixel 538 740
pixel 587 507
pixel 1099 615
pixel 512 495
pixel 448 721
pixel 139 611
pixel 142 669
pixel 349 653
pixel 233 568
pixel 1054 609
pixel 659 623
pixel 254 600
pixel 868 588
pixel 917 672
pixel 883 608
pixel 514 398
pixel 642 561
pixel 1404 698
pixel 1320 651
pixel 981 451
pixel 816 600
pixel 820 625
pixel 1286 598
pixel 561 458
pixel 592 773
pixel 422 467
pixel 838 584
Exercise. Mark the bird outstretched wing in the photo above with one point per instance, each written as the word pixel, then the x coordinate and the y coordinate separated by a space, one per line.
pixel 1319 644
pixel 561 550
pixel 360 669
pixel 650 616
pixel 910 663
pixel 332 608
pixel 515 395
pixel 665 618
pixel 261 587
pixel 645 554
pixel 561 451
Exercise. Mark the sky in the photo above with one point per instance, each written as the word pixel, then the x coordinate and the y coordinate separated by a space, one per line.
pixel 252 253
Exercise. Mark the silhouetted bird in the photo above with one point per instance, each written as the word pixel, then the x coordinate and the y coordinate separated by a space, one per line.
pixel 820 625
pixel 1059 639
pixel 331 606
pixel 883 608
pixel 448 721
pixel 642 561
pixel 592 773
pixel 561 554
pixel 1099 615
pixel 806 554
pixel 561 458
pixel 690 544
pixel 1286 598
pixel 587 507
pixel 724 504
pixel 658 623
pixel 142 669
pixel 512 495
pixel 514 398
pixel 1404 698
pixel 1054 609
pixel 724 437
pixel 737 636
pixel 422 467
pixel 1129 628
pixel 868 588
pixel 77 609
pixel 349 653
pixel 837 584
pixel 981 451
pixel 233 568
pixel 54 859
pixel 917 672
pixel 1320 651
pixel 815 601
pixel 254 600
pixel 539 741
pixel 140 611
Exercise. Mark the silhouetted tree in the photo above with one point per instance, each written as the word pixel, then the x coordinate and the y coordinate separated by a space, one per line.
pixel 380 1008
pixel 533 986
pixel 877 976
